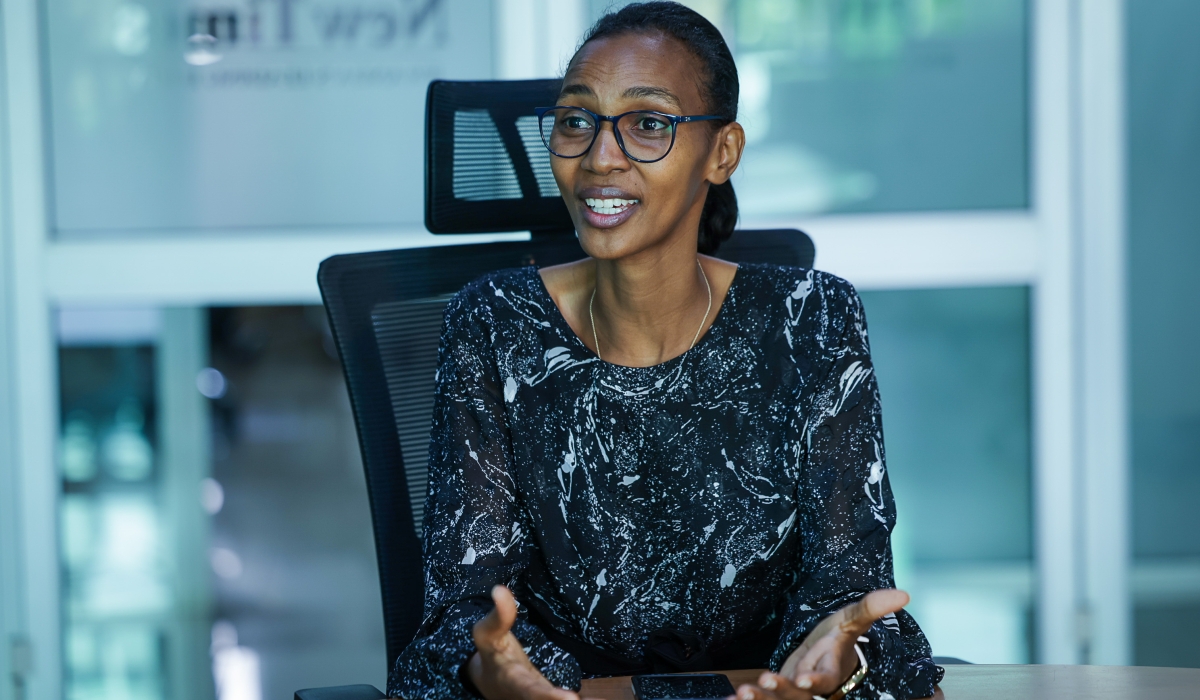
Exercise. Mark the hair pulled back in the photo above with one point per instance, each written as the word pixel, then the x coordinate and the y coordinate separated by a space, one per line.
pixel 720 83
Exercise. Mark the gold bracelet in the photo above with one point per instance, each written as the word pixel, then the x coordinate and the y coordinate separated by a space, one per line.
pixel 854 679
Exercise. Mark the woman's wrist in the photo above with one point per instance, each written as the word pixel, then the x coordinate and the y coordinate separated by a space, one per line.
pixel 856 677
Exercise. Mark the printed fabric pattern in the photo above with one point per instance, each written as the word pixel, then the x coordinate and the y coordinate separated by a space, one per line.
pixel 739 485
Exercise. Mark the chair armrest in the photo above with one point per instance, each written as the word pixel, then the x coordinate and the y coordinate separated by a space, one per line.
pixel 341 692
pixel 949 661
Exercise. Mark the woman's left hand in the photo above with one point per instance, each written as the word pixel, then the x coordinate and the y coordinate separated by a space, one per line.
pixel 826 658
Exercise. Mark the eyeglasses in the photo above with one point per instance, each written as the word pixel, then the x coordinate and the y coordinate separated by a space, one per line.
pixel 644 136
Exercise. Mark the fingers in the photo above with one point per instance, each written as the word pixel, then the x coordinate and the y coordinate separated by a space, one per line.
pixel 819 682
pixel 788 670
pixel 784 688
pixel 773 686
pixel 530 684
pixel 834 636
pixel 821 651
pixel 861 615
pixel 826 664
pixel 500 669
pixel 492 627
pixel 507 673
pixel 826 656
pixel 780 689
pixel 506 605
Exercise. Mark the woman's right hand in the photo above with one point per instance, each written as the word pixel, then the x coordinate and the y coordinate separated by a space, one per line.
pixel 499 668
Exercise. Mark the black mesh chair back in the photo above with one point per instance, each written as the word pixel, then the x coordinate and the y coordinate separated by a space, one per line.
pixel 385 310
pixel 485 167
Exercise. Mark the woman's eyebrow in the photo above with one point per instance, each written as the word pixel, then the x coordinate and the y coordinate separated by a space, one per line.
pixel 650 91
pixel 635 92
pixel 576 89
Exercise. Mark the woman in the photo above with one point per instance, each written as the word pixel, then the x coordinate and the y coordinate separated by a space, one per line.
pixel 672 462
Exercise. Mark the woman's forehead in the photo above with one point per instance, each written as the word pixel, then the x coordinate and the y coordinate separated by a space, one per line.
pixel 633 67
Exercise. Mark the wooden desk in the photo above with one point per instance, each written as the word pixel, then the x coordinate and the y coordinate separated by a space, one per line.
pixel 618 687
pixel 978 682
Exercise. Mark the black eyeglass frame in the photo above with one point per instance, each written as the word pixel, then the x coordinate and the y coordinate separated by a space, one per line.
pixel 675 120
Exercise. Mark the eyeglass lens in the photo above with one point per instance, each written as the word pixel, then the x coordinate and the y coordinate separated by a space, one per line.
pixel 645 136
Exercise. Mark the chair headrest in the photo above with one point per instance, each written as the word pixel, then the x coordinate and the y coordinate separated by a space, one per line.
pixel 486 169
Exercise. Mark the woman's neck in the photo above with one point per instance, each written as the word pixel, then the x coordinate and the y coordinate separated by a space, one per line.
pixel 647 311
pixel 647 308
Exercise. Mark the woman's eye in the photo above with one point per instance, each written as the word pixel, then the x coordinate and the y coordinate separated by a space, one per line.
pixel 652 124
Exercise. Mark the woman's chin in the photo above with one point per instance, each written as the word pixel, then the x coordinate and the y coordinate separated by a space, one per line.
pixel 612 243
pixel 601 244
pixel 626 241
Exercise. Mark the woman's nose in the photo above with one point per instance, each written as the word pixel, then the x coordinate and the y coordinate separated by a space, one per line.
pixel 606 154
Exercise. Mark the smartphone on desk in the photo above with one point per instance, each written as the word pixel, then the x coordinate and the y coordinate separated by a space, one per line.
pixel 682 686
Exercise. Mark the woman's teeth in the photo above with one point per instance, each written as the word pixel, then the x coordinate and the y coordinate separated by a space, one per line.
pixel 609 206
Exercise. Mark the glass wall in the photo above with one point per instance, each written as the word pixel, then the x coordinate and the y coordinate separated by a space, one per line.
pixel 1164 252
pixel 893 105
pixel 953 368
pixel 135 604
pixel 297 601
pixel 116 584
pixel 169 116
pixel 878 105
pixel 215 532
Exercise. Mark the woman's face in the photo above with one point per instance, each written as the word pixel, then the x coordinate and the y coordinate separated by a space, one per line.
pixel 657 201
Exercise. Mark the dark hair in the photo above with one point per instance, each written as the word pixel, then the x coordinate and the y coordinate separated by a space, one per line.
pixel 705 42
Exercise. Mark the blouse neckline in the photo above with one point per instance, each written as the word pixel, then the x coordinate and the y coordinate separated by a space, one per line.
pixel 561 321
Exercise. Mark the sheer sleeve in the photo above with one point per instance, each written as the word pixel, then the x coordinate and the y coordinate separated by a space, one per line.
pixel 475 529
pixel 846 511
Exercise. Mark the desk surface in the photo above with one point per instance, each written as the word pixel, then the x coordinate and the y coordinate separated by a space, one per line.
pixel 977 682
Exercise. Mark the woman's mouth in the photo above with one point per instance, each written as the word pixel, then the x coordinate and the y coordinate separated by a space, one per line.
pixel 608 212
pixel 609 206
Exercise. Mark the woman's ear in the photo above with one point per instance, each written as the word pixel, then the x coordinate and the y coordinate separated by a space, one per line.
pixel 726 153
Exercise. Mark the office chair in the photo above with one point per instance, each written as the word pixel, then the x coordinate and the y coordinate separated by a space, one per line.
pixel 485 171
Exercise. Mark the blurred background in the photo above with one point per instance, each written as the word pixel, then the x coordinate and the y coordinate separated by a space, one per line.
pixel 1012 184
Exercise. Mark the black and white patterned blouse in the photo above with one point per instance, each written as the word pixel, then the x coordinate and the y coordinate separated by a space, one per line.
pixel 703 513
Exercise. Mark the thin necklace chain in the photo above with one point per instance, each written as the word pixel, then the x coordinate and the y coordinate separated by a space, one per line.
pixel 592 317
